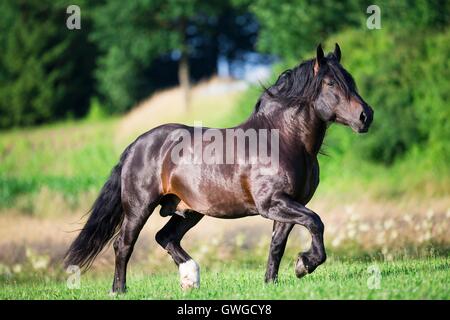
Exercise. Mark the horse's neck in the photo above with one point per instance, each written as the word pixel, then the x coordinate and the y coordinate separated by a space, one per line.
pixel 311 130
pixel 299 128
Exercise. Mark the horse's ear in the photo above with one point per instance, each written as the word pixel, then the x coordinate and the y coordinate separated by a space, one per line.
pixel 319 58
pixel 337 52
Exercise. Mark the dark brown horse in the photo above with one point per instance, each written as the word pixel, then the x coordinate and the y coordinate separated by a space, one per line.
pixel 154 170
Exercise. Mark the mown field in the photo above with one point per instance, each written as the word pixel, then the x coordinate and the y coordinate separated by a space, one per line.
pixel 402 279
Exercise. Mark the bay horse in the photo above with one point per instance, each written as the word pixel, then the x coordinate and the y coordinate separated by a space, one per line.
pixel 300 105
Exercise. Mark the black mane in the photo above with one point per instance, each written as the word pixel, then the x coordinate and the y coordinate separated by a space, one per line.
pixel 298 86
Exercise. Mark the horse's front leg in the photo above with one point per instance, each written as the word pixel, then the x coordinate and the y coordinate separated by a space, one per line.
pixel 281 208
pixel 279 238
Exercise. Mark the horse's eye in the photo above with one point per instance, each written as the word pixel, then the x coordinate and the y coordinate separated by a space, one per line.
pixel 330 83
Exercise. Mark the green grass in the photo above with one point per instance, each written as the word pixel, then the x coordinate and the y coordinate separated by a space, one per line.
pixel 66 158
pixel 403 279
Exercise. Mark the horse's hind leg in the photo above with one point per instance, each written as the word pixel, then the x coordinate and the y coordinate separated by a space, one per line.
pixel 134 219
pixel 169 238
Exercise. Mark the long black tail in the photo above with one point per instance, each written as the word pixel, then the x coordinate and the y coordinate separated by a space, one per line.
pixel 103 224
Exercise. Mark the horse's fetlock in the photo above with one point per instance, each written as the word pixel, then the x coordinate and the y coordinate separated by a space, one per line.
pixel 322 258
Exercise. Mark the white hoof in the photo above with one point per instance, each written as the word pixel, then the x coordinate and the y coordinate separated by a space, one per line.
pixel 189 275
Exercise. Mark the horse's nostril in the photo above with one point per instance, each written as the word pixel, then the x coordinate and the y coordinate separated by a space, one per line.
pixel 363 117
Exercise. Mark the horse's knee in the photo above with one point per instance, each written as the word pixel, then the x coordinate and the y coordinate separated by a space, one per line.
pixel 322 257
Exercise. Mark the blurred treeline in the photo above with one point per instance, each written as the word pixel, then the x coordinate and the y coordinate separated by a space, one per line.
pixel 127 49
pixel 123 51
pixel 402 70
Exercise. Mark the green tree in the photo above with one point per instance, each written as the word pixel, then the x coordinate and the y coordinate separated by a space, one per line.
pixel 132 34
pixel 290 28
pixel 44 68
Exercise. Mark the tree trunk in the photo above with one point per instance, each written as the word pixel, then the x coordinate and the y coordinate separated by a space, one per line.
pixel 183 72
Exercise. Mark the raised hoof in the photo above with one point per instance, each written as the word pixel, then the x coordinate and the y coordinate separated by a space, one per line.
pixel 300 268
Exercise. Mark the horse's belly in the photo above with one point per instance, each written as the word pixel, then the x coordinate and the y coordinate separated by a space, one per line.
pixel 230 211
pixel 225 209
pixel 212 194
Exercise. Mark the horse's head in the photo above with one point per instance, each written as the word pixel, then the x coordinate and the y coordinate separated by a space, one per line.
pixel 337 99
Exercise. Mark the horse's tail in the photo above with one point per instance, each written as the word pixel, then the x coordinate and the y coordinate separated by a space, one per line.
pixel 106 216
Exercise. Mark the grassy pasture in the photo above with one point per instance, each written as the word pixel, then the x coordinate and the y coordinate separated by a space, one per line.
pixel 353 279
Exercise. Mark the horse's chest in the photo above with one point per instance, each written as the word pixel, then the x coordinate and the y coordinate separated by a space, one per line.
pixel 307 181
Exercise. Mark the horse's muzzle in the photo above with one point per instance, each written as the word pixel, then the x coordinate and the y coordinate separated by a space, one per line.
pixel 366 119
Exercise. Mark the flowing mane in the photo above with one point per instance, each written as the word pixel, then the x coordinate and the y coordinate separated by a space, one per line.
pixel 299 86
